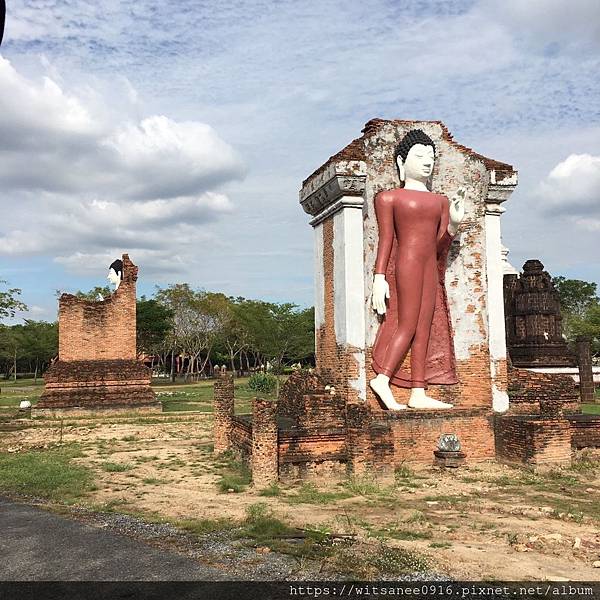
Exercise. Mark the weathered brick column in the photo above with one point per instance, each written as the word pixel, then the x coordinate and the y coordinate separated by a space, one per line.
pixel 358 440
pixel 223 412
pixel 586 377
pixel 265 459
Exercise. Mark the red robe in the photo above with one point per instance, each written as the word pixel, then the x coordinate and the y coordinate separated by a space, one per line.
pixel 440 362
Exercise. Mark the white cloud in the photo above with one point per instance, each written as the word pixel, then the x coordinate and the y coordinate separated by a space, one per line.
pixel 518 74
pixel 81 182
pixel 573 188
pixel 573 22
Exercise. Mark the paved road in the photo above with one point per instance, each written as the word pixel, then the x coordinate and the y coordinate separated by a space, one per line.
pixel 39 546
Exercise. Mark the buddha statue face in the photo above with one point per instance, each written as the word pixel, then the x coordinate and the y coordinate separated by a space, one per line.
pixel 415 156
pixel 419 163
pixel 115 273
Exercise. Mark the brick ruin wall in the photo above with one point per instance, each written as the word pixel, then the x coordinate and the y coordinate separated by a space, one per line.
pixel 378 441
pixel 97 367
pixel 98 385
pixel 585 431
pixel 312 435
pixel 99 330
pixel 526 389
pixel 533 441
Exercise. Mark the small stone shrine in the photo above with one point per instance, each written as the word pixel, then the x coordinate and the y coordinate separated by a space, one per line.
pixel 97 367
pixel 533 320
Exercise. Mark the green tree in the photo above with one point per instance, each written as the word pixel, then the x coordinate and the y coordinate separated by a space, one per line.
pixel 154 322
pixel 95 294
pixel 9 302
pixel 580 309
pixel 576 296
pixel 196 324
pixel 39 341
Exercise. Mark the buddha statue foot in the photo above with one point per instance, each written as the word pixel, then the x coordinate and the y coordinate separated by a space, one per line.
pixel 381 387
pixel 427 402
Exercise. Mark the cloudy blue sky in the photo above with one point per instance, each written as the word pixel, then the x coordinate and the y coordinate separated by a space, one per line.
pixel 181 131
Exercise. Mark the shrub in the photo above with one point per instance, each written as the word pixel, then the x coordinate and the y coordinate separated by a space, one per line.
pixel 265 383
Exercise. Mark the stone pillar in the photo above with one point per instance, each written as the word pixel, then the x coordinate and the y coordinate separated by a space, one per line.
pixel 335 201
pixel 358 440
pixel 586 377
pixel 498 192
pixel 223 412
pixel 265 458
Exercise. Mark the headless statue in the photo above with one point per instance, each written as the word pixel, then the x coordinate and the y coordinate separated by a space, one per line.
pixel 423 224
pixel 115 273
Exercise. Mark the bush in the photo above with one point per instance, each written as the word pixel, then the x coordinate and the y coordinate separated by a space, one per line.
pixel 265 383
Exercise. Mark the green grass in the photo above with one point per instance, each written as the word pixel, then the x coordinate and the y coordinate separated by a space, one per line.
pixel 235 475
pixel 408 534
pixel 198 396
pixel 591 409
pixel 262 526
pixel 440 545
pixel 310 494
pixel 205 526
pixel 272 490
pixel 111 467
pixel 154 481
pixel 48 474
pixel 363 486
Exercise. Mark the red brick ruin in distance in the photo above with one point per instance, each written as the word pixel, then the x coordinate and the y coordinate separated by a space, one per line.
pixel 97 367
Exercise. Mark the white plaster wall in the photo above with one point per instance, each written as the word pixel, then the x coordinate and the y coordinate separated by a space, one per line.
pixel 348 277
pixel 495 275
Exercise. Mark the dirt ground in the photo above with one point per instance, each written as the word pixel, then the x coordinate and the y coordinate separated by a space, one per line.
pixel 482 521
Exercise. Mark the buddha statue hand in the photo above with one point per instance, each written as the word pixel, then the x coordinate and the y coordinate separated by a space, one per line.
pixel 381 291
pixel 456 210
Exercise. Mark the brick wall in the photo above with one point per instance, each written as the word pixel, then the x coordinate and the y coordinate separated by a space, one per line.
pixel 533 440
pixel 264 442
pixel 585 431
pixel 104 330
pixel 223 405
pixel 527 388
pixel 586 377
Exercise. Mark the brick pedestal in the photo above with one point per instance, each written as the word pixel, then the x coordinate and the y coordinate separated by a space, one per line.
pixel 586 378
pixel 223 405
pixel 358 439
pixel 265 459
pixel 533 440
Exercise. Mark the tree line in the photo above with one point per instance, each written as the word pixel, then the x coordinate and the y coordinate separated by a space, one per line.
pixel 185 331
pixel 180 331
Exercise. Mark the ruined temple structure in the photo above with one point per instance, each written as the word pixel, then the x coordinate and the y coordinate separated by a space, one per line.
pixel 533 320
pixel 329 420
pixel 97 367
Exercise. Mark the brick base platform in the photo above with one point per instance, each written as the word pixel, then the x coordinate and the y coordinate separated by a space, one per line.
pixel 533 440
pixel 585 431
pixel 379 441
pixel 317 434
pixel 89 387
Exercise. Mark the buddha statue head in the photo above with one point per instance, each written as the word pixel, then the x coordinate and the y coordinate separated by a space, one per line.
pixel 115 273
pixel 415 156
